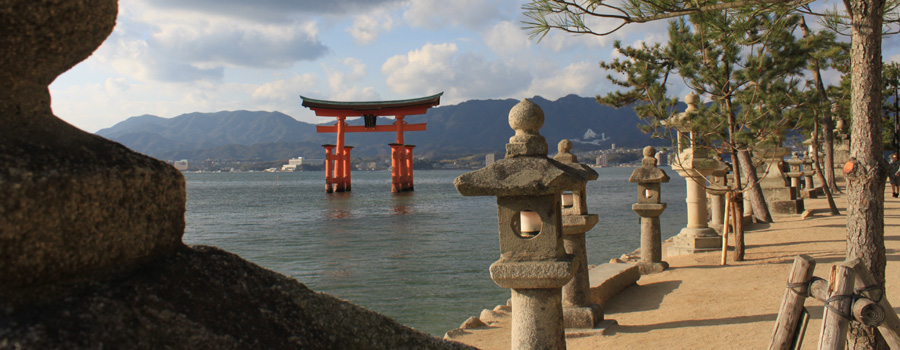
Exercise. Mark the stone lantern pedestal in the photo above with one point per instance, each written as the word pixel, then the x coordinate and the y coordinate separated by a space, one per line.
pixel 533 260
pixel 578 312
pixel 781 197
pixel 810 190
pixel 649 208
pixel 716 191
pixel 694 165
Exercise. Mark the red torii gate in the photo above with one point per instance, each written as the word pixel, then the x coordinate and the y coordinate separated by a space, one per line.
pixel 337 157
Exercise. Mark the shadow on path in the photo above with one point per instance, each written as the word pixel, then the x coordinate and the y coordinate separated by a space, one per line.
pixel 640 297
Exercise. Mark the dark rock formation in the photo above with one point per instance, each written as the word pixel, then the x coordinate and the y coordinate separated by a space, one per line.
pixel 203 298
pixel 72 205
pixel 90 231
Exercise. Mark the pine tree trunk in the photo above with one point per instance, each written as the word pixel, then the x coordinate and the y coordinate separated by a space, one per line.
pixel 865 185
pixel 828 149
pixel 757 199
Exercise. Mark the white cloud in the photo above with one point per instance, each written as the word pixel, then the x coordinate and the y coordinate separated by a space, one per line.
pixel 367 27
pixel 506 38
pixel 268 11
pixel 435 14
pixel 229 43
pixel 440 67
pixel 133 58
pixel 580 78
pixel 285 91
pixel 344 83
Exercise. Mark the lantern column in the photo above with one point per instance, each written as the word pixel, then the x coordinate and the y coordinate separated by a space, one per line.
pixel 649 179
pixel 694 163
pixel 533 261
pixel 578 312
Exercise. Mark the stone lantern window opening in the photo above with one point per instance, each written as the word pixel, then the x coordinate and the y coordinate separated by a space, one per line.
pixel 568 199
pixel 649 192
pixel 530 224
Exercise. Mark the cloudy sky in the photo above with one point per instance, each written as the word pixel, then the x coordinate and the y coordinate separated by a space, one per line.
pixel 168 57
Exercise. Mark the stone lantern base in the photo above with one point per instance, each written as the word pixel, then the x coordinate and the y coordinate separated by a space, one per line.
pixel 582 317
pixel 649 267
pixel 695 240
pixel 784 200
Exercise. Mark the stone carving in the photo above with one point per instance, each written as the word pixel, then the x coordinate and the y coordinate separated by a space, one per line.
pixel 649 208
pixel 72 205
pixel 533 260
pixel 694 163
pixel 578 311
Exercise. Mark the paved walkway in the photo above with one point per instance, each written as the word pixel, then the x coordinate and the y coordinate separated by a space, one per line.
pixel 698 304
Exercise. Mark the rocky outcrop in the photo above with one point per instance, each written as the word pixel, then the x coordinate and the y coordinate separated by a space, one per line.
pixel 90 231
pixel 203 298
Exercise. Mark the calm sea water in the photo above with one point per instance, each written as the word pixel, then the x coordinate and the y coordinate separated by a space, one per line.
pixel 421 258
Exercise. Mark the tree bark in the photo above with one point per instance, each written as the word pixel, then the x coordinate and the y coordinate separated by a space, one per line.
pixel 757 199
pixel 827 125
pixel 828 149
pixel 865 185
pixel 818 168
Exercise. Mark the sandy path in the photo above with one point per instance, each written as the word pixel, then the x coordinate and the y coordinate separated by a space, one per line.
pixel 698 304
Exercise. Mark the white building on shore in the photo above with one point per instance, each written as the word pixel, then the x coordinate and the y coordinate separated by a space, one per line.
pixel 296 164
pixel 181 164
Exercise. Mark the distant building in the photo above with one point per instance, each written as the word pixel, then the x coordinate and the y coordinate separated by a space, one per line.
pixel 181 164
pixel 489 159
pixel 296 164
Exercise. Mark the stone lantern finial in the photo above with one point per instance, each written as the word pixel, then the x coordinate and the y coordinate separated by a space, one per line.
pixel 564 156
pixel 691 101
pixel 526 118
pixel 649 156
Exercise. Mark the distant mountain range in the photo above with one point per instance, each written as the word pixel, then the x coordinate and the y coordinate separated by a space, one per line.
pixel 471 127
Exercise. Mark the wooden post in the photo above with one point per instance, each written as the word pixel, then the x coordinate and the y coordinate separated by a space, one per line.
pixel 725 228
pixel 395 169
pixel 346 160
pixel 792 303
pixel 329 168
pixel 890 328
pixel 835 325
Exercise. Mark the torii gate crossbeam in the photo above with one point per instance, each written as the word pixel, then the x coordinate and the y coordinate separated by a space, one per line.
pixel 337 156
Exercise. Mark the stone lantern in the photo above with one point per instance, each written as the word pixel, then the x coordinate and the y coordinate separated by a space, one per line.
pixel 694 164
pixel 716 191
pixel 649 208
pixel 577 310
pixel 775 184
pixel 795 170
pixel 810 190
pixel 533 261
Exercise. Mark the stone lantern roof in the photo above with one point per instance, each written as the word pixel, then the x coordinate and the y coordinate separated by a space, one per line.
pixel 648 172
pixel 566 157
pixel 526 170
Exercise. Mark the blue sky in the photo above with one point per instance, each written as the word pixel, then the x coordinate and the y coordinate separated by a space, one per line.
pixel 168 57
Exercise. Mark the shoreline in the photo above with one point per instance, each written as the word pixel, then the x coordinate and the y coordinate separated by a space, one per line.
pixel 697 303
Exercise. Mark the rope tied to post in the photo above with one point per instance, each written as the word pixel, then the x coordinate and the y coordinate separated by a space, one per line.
pixel 872 288
pixel 845 315
pixel 808 284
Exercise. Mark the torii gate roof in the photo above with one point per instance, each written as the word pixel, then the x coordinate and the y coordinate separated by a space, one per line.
pixel 406 107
